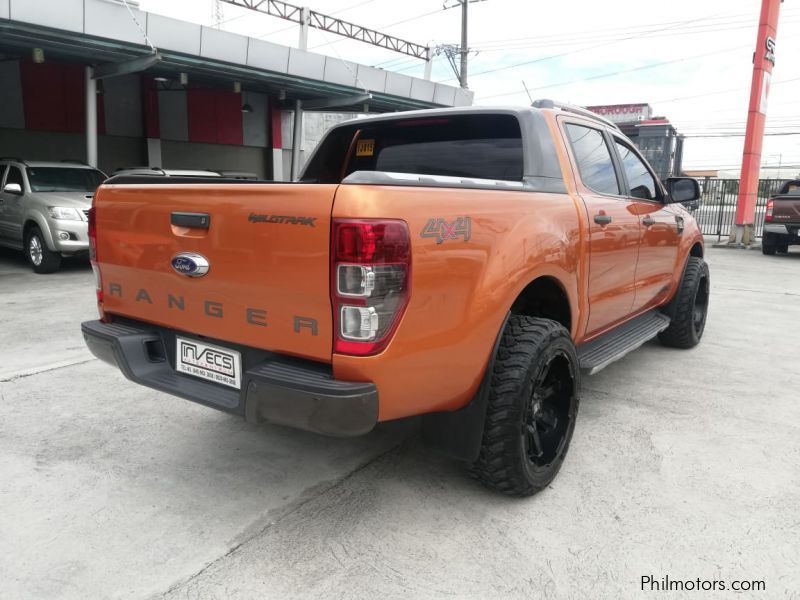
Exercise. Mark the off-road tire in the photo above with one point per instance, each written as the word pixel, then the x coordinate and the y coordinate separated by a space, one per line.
pixel 782 248
pixel 768 245
pixel 48 261
pixel 531 350
pixel 689 307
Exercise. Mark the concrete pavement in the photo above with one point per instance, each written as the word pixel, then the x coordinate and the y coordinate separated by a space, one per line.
pixel 683 463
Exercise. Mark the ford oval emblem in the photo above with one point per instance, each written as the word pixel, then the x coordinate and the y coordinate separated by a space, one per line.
pixel 190 264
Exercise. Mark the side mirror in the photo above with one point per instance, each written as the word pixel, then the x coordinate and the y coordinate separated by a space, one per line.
pixel 13 188
pixel 682 189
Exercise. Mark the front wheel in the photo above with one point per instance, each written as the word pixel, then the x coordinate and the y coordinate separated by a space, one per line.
pixel 533 404
pixel 689 307
pixel 40 257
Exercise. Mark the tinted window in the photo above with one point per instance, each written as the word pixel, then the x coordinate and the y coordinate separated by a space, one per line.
pixel 14 176
pixel 791 188
pixel 470 146
pixel 640 181
pixel 64 179
pixel 490 158
pixel 594 159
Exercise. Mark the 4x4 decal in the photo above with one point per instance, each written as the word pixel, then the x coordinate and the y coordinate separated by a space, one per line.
pixel 443 231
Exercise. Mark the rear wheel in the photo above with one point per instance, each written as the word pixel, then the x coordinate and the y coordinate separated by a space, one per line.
pixel 768 245
pixel 782 247
pixel 533 403
pixel 689 307
pixel 40 257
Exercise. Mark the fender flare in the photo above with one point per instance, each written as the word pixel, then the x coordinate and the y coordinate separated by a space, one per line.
pixel 458 434
pixel 43 226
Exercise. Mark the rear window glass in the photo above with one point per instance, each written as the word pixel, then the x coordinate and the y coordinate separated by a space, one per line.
pixel 792 188
pixel 469 146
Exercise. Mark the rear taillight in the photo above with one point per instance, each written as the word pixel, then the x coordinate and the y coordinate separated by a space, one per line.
pixel 768 214
pixel 92 230
pixel 370 275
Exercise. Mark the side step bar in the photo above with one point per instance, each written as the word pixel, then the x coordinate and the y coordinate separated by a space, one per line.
pixel 602 351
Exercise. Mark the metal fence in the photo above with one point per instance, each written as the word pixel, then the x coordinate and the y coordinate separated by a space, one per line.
pixel 718 204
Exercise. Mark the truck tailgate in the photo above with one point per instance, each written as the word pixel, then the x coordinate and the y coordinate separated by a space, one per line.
pixel 267 247
pixel 786 209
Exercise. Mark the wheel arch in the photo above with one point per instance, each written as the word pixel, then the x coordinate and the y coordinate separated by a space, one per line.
pixel 35 220
pixel 458 434
pixel 545 297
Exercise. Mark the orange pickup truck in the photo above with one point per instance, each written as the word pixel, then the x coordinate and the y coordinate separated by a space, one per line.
pixel 462 264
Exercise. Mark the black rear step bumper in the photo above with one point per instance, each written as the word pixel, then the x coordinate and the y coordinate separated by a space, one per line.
pixel 276 389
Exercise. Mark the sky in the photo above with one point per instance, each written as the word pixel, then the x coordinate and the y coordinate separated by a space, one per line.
pixel 691 60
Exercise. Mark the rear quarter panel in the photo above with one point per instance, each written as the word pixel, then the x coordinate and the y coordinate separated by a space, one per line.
pixel 461 289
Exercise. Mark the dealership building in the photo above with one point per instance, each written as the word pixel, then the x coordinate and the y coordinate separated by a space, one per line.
pixel 106 83
pixel 656 138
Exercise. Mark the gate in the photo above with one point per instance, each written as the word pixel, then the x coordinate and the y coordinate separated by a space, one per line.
pixel 718 204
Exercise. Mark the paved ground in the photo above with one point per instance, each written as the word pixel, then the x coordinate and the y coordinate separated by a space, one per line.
pixel 684 464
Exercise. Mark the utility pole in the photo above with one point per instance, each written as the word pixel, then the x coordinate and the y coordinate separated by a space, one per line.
pixel 462 74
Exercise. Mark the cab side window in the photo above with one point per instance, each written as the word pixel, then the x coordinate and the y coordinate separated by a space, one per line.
pixel 14 176
pixel 594 159
pixel 640 181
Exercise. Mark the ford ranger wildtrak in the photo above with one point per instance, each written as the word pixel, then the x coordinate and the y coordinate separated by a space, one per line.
pixel 463 264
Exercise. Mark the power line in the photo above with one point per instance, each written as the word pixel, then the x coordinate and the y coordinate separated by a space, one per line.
pixel 730 135
pixel 627 28
pixel 623 71
pixel 542 59
pixel 725 91
pixel 651 34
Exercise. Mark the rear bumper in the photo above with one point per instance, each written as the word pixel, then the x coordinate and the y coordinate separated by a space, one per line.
pixel 783 229
pixel 275 389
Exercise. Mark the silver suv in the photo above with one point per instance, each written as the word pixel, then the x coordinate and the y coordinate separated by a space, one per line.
pixel 44 209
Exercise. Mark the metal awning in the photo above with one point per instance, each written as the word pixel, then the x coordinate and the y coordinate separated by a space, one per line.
pixel 288 79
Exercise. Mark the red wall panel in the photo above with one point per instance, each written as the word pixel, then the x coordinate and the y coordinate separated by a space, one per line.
pixel 54 98
pixel 275 125
pixel 229 118
pixel 152 124
pixel 214 116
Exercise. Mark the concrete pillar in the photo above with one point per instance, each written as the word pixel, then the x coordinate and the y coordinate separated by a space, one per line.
pixel 91 118
pixel 277 164
pixel 297 138
pixel 154 153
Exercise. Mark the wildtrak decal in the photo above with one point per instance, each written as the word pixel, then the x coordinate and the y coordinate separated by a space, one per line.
pixel 281 219
pixel 443 230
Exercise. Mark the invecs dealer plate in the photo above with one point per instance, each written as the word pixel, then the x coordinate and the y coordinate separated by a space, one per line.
pixel 220 365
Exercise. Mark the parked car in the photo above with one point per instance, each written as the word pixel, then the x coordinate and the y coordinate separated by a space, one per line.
pixel 782 219
pixel 462 264
pixel 44 208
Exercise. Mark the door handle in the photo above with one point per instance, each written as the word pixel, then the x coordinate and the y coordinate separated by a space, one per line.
pixel 602 219
pixel 648 221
